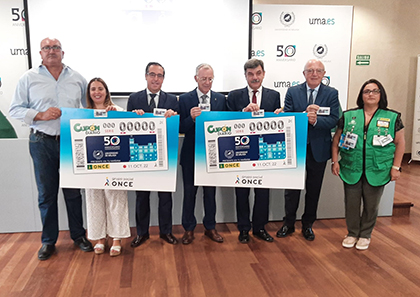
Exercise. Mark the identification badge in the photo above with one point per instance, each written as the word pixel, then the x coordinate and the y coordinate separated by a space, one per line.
pixel 323 111
pixel 258 113
pixel 100 113
pixel 382 140
pixel 383 123
pixel 204 106
pixel 159 112
pixel 348 140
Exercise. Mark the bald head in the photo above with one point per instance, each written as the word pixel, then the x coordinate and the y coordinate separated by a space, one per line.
pixel 51 53
pixel 314 72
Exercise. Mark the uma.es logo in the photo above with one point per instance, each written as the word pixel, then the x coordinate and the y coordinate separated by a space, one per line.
pixel 257 53
pixel 321 21
pixel 19 51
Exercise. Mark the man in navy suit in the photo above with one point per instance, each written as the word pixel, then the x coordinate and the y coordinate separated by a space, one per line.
pixel 249 99
pixel 146 101
pixel 189 110
pixel 321 104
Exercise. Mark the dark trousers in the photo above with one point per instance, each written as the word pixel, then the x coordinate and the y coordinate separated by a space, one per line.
pixel 314 177
pixel 45 153
pixel 361 224
pixel 260 210
pixel 209 193
pixel 143 212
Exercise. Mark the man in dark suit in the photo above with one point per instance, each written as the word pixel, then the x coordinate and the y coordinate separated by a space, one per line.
pixel 189 109
pixel 252 98
pixel 146 101
pixel 321 104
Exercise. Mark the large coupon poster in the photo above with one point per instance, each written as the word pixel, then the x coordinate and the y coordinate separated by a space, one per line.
pixel 237 149
pixel 118 150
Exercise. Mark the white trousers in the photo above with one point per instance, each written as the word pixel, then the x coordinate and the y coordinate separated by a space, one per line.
pixel 107 214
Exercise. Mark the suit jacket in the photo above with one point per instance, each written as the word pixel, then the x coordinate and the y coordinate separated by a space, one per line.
pixel 139 100
pixel 187 125
pixel 239 99
pixel 319 136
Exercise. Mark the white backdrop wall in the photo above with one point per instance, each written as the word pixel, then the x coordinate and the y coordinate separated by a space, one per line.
pixel 285 37
pixel 13 56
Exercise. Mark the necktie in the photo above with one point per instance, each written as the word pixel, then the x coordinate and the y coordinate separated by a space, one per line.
pixel 204 99
pixel 311 97
pixel 254 97
pixel 152 103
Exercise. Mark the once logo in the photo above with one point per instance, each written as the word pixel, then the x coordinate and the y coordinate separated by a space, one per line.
pixel 256 18
pixel 287 18
pixel 320 50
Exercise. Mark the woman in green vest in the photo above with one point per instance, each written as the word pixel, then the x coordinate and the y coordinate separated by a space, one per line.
pixel 370 140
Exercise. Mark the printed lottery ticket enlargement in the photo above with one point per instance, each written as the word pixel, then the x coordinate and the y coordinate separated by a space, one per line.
pixel 250 144
pixel 119 145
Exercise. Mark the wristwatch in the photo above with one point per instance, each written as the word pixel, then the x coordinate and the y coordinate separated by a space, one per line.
pixel 396 168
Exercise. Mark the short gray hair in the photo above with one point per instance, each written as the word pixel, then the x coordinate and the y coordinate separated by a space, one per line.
pixel 202 65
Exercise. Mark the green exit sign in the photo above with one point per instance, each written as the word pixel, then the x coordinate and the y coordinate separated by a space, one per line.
pixel 362 60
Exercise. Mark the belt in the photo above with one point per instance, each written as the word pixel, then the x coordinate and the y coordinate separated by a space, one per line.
pixel 42 134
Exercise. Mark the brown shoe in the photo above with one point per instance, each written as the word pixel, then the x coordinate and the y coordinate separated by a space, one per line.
pixel 188 237
pixel 213 235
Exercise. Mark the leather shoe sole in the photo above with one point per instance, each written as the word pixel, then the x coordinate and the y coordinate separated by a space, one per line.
pixel 139 240
pixel 46 251
pixel 284 231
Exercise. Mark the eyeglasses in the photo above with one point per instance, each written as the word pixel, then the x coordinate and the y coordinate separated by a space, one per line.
pixel 204 79
pixel 48 48
pixel 153 75
pixel 310 71
pixel 374 92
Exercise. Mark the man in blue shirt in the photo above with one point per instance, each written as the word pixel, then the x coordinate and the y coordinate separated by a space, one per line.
pixel 39 95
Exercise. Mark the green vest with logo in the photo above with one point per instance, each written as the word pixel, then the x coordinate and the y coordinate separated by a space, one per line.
pixel 378 159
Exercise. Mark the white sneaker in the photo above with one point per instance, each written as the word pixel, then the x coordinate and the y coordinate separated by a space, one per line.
pixel 349 241
pixel 363 243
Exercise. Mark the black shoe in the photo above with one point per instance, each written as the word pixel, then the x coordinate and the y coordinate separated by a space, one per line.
pixel 243 237
pixel 139 240
pixel 84 244
pixel 169 238
pixel 46 251
pixel 308 233
pixel 285 230
pixel 263 235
